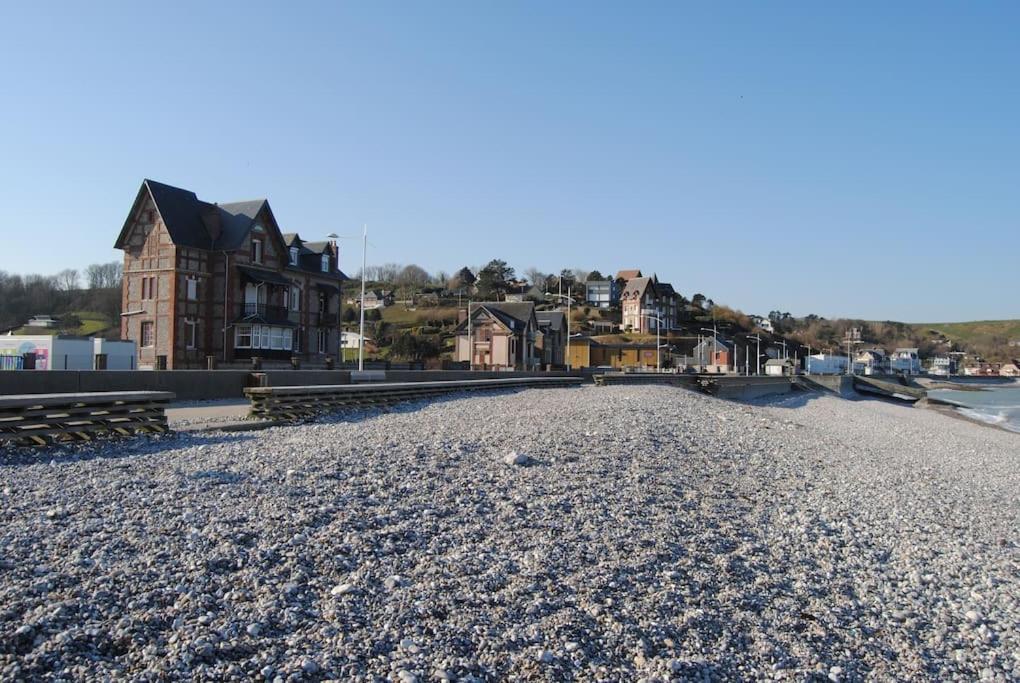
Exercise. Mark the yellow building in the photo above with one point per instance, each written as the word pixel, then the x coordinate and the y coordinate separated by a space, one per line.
pixel 589 353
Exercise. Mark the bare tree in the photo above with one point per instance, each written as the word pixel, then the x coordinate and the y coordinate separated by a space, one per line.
pixel 104 275
pixel 535 276
pixel 68 280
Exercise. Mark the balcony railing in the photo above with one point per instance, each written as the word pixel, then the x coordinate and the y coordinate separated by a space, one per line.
pixel 264 312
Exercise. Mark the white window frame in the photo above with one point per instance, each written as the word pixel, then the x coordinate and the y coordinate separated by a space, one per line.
pixel 242 331
pixel 263 336
pixel 257 253
pixel 293 256
pixel 191 334
pixel 191 288
pixel 276 338
pixel 325 263
pixel 151 327
pixel 288 339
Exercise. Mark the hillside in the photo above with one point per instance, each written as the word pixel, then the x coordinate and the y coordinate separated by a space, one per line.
pixel 990 338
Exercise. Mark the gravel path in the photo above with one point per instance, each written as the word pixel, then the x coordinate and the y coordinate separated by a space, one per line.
pixel 654 534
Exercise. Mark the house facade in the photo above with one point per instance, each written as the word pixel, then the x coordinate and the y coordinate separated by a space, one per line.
pixel 586 352
pixel 551 340
pixel 648 305
pixel 943 365
pixel 498 336
pixel 905 361
pixel 714 354
pixel 204 279
pixel 1010 369
pixel 601 293
pixel 871 362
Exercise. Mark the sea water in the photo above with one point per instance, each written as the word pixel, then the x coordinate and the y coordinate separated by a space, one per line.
pixel 997 404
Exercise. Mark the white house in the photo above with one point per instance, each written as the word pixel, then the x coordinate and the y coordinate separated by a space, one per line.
pixel 352 340
pixel 825 364
pixel 53 352
pixel 778 367
pixel 905 362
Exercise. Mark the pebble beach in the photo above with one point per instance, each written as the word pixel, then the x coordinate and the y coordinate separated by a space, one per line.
pixel 617 533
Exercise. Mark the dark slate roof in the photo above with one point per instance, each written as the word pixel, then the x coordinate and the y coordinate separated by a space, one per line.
pixel 555 320
pixel 518 310
pixel 505 312
pixel 238 219
pixel 192 222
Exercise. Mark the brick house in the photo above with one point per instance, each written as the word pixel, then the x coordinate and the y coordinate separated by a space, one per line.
pixel 204 279
pixel 499 336
pixel 644 297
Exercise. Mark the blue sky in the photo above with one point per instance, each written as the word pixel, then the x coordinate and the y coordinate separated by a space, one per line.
pixel 860 161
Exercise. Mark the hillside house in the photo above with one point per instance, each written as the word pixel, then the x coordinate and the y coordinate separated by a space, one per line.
pixel 649 305
pixel 204 279
pixel 43 321
pixel 498 336
pixel 601 293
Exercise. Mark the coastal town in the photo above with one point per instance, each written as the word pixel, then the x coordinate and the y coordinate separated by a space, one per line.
pixel 210 284
pixel 347 342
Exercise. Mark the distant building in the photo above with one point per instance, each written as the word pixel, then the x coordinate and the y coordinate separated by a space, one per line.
pixel 905 361
pixel 649 305
pixel 601 293
pixel 586 352
pixel 498 336
pixel 58 352
pixel 763 323
pixel 943 365
pixel 713 355
pixel 532 293
pixel 204 279
pixel 352 340
pixel 375 299
pixel 778 367
pixel 44 321
pixel 825 364
pixel 982 369
pixel 871 362
pixel 1010 369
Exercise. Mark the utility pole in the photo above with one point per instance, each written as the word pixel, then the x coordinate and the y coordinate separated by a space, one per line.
pixel 364 268
pixel 757 370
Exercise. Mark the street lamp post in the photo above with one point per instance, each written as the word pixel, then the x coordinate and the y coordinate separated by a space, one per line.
pixel 658 347
pixel 364 267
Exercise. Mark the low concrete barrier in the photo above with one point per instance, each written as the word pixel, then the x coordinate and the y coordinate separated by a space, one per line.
pixel 299 402
pixel 742 388
pixel 670 378
pixel 199 385
pixel 41 419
